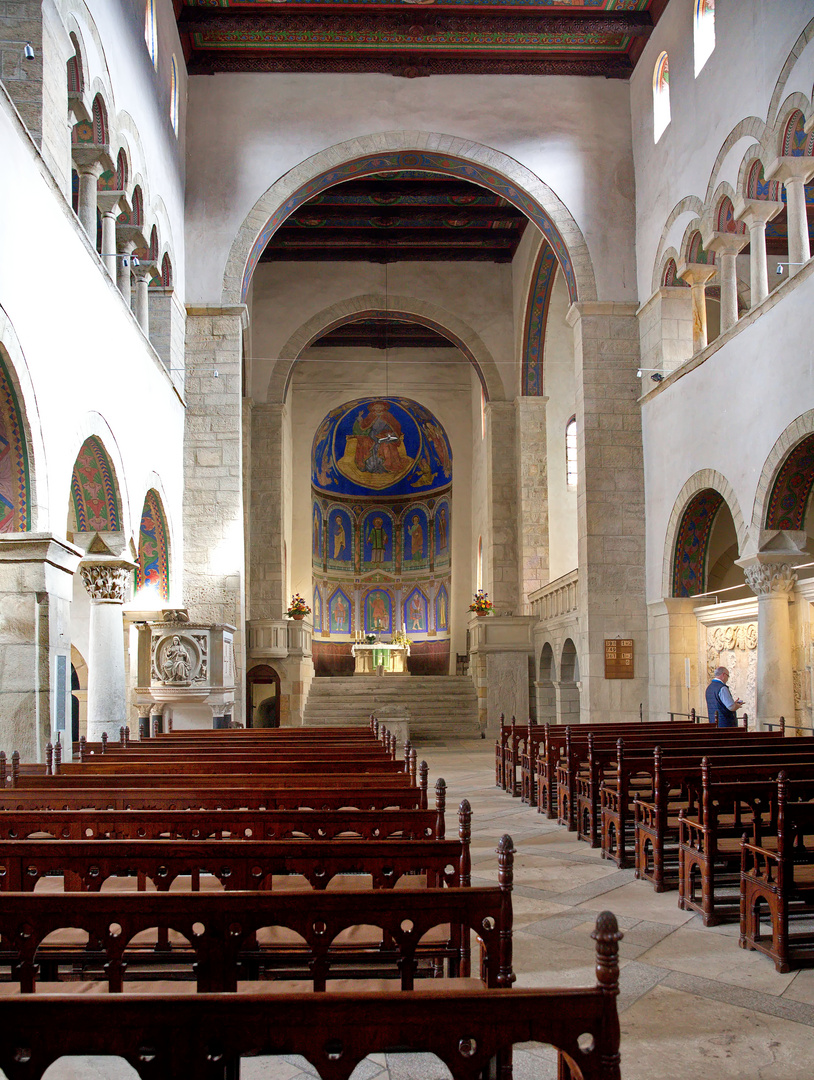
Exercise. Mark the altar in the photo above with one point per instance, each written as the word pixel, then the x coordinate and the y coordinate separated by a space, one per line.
pixel 380 658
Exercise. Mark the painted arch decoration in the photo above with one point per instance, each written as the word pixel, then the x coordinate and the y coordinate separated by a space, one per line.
pixel 542 286
pixel 792 488
pixel 426 161
pixel 94 490
pixel 153 547
pixel 692 542
pixel 15 485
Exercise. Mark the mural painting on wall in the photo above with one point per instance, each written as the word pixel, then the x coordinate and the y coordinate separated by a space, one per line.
pixel 791 492
pixel 379 466
pixel 15 505
pixel 377 541
pixel 317 612
pixel 442 609
pixel 415 539
pixel 692 541
pixel 373 444
pixel 93 489
pixel 415 613
pixel 153 562
pixel 316 531
pixel 339 613
pixel 378 612
pixel 442 532
pixel 340 539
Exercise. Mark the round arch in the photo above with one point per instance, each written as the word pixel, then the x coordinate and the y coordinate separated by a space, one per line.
pixel 702 480
pixel 389 151
pixel 93 424
pixel 767 492
pixel 406 308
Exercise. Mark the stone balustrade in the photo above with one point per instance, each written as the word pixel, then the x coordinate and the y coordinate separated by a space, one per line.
pixel 557 598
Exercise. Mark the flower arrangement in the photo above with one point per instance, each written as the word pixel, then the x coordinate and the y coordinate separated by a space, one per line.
pixel 298 608
pixel 481 605
pixel 401 639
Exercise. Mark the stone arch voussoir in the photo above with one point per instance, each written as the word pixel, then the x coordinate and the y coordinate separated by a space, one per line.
pixel 396 149
pixel 704 478
pixel 465 339
pixel 691 204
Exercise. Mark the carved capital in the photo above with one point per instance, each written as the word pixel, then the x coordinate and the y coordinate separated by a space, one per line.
pixel 106 581
pixel 766 578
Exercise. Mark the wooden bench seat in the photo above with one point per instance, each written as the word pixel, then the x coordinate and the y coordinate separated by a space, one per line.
pixel 201 1037
pixel 224 933
pixel 777 886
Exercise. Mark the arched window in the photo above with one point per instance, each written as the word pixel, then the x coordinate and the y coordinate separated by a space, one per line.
pixel 661 96
pixel 151 32
pixel 703 32
pixel 571 452
pixel 174 95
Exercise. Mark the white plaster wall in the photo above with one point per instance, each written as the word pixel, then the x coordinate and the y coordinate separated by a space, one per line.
pixel 728 413
pixel 560 388
pixel 438 379
pixel 287 295
pixel 84 364
pixel 112 32
pixel 246 131
pixel 753 41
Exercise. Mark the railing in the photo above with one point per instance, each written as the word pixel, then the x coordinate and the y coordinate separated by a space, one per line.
pixel 278 638
pixel 558 597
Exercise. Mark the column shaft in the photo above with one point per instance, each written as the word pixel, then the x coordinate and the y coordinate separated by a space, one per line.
pixel 775 683
pixel 699 317
pixel 123 271
pixel 142 308
pixel 109 243
pixel 87 201
pixel 729 290
pixel 107 696
pixel 799 247
pixel 758 269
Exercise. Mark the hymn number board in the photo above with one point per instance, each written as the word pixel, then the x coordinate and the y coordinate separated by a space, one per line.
pixel 618 658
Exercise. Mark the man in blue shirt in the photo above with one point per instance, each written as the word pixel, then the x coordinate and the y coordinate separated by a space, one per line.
pixel 720 700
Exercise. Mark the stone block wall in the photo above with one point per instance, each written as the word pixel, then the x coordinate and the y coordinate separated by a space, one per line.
pixel 501 538
pixel 213 491
pixel 665 329
pixel 532 505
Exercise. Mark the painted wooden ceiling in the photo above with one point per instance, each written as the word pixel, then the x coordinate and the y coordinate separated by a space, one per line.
pixel 414 38
pixel 405 216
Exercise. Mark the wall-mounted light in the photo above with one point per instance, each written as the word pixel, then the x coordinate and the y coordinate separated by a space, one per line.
pixel 28 51
pixel 656 375
pixel 782 266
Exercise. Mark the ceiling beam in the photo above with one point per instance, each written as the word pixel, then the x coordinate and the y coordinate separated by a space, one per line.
pixel 289 237
pixel 388 255
pixel 402 215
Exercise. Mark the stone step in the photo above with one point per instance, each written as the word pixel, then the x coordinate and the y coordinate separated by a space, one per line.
pixel 439 707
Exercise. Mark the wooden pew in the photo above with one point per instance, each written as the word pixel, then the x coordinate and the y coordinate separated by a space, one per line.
pixel 225 932
pixel 777 884
pixel 709 844
pixel 202 1037
pixel 677 784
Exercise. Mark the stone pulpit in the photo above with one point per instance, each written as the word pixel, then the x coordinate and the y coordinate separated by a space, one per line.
pixel 186 673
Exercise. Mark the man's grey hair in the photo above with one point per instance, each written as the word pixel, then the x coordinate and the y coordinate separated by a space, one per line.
pixel 720 671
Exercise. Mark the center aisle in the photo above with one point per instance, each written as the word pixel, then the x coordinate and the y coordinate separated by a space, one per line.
pixel 689 996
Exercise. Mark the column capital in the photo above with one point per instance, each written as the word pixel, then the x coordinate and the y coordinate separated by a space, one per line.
pixel 766 577
pixel 725 243
pixel 789 169
pixel 91 158
pixel 106 580
pixel 752 211
pixel 583 309
pixel 131 234
pixel 696 273
pixel 145 270
pixel 111 202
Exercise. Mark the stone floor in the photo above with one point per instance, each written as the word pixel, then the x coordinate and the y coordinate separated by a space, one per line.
pixel 693 1005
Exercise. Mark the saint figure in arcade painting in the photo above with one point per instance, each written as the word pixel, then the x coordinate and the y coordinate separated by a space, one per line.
pixel 378 613
pixel 376 537
pixel 416 535
pixel 415 614
pixel 339 615
pixel 339 538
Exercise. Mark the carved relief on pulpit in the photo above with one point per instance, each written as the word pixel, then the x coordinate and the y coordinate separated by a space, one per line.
pixel 179 659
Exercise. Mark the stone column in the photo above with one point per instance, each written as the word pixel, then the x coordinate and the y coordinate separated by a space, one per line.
pixel 610 505
pixel 697 275
pixel 89 173
pixel 727 246
pixel 532 504
pixel 772 579
pixel 143 274
pixel 106 582
pixel 36 586
pixel 795 173
pixel 214 557
pixel 125 253
pixel 109 204
pixel 500 542
pixel 754 213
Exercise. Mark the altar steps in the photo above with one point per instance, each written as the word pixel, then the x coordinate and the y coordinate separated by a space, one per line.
pixel 438 707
